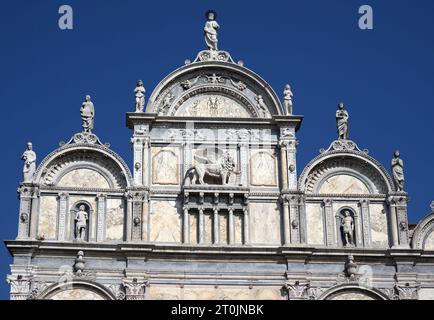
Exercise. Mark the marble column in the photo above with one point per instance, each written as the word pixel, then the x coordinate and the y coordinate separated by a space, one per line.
pixel 231 226
pixel 246 221
pixel 146 162
pixel 328 218
pixel 63 198
pixel 216 229
pixel 291 166
pixel 294 221
pixel 138 160
pixel 25 211
pixel 201 226
pixel 366 225
pixel 286 230
pixel 101 212
pixel 284 164
pixel 185 231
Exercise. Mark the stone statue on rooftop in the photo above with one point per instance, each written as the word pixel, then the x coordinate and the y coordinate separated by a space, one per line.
pixel 29 158
pixel 211 27
pixel 87 112
pixel 342 122
pixel 139 93
pixel 287 99
pixel 398 171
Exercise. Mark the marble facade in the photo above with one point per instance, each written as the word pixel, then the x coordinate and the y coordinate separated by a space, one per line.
pixel 214 206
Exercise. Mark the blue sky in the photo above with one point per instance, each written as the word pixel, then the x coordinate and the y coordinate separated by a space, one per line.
pixel 385 75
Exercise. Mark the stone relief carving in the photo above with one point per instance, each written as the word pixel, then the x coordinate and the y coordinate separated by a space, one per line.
pixel 239 85
pixel 139 93
pixel 342 122
pixel 407 291
pixel 134 289
pixel 29 158
pixel 398 171
pixel 262 106
pixel 210 30
pixel 187 84
pixel 222 169
pixel 81 218
pixel 351 268
pixel 214 78
pixel 287 99
pixel 167 100
pixel 87 112
pixel 20 286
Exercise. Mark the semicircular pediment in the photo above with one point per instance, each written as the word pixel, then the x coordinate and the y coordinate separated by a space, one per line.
pixel 214 89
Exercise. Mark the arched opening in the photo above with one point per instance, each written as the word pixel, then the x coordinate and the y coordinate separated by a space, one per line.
pixel 353 292
pixel 76 290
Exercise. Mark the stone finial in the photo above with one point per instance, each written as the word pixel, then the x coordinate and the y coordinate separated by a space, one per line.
pixel 87 112
pixel 287 99
pixel 29 158
pixel 210 30
pixel 398 171
pixel 79 263
pixel 342 122
pixel 139 93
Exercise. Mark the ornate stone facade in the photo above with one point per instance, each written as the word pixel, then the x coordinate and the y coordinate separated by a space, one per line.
pixel 214 207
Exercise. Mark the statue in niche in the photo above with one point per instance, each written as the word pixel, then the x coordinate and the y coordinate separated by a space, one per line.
pixel 139 93
pixel 347 226
pixel 29 158
pixel 211 27
pixel 342 122
pixel 216 169
pixel 81 218
pixel 87 112
pixel 398 171
pixel 287 99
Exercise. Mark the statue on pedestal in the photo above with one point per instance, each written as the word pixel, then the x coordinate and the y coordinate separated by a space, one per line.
pixel 347 224
pixel 29 158
pixel 342 122
pixel 87 111
pixel 211 27
pixel 398 171
pixel 287 99
pixel 139 93
pixel 81 218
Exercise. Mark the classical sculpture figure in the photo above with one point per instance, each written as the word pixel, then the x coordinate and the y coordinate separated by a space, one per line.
pixel 211 27
pixel 342 122
pixel 398 171
pixel 221 169
pixel 81 218
pixel 261 105
pixel 29 158
pixel 87 111
pixel 287 99
pixel 139 93
pixel 347 225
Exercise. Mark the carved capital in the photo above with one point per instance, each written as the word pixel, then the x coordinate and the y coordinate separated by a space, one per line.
pixel 298 290
pixel 407 291
pixel 135 289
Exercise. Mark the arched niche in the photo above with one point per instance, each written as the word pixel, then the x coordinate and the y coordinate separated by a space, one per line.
pixel 73 223
pixel 84 177
pixel 352 292
pixel 76 290
pixel 339 217
pixel 343 183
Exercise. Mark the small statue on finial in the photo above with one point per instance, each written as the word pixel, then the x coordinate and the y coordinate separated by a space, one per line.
pixel 342 122
pixel 29 158
pixel 211 27
pixel 398 171
pixel 139 92
pixel 87 112
pixel 287 99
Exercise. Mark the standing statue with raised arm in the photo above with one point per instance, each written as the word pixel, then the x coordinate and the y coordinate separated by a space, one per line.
pixel 398 171
pixel 29 158
pixel 342 122
pixel 287 99
pixel 211 27
pixel 139 93
pixel 87 112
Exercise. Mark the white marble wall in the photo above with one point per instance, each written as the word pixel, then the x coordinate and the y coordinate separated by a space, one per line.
pixel 83 178
pixel 263 168
pixel 315 223
pixel 76 294
pixel 265 223
pixel 429 242
pixel 47 224
pixel 165 224
pixel 343 184
pixel 165 166
pixel 379 232
pixel 114 219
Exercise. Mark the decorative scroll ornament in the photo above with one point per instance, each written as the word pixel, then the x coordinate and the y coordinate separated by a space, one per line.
pixel 344 145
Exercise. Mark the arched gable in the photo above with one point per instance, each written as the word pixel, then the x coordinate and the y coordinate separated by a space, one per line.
pixel 214 89
pixel 423 235
pixel 352 292
pixel 76 289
